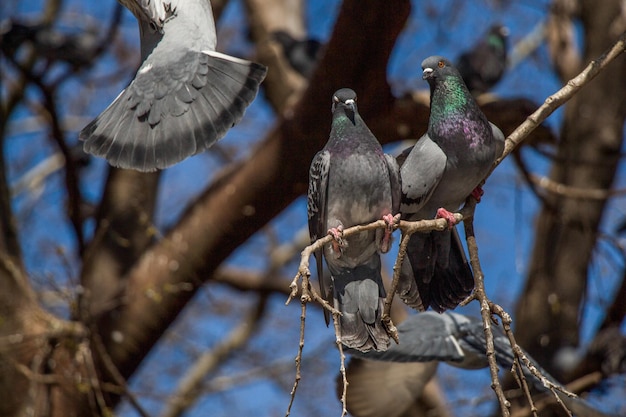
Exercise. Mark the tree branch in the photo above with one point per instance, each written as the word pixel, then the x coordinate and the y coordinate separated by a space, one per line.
pixel 189 387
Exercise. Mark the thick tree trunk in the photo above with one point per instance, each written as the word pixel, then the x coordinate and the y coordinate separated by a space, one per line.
pixel 548 313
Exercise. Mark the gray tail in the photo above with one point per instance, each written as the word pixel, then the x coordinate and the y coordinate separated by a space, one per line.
pixel 359 296
pixel 146 132
pixel 436 272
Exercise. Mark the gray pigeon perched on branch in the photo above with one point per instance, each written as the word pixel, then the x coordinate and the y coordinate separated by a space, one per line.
pixel 450 337
pixel 484 65
pixel 351 182
pixel 444 167
pixel 185 96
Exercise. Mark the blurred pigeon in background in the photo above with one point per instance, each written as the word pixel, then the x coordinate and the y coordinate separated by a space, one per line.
pixel 484 65
pixel 444 167
pixel 302 55
pixel 75 49
pixel 351 182
pixel 185 96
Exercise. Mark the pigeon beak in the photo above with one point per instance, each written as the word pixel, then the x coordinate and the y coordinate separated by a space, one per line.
pixel 427 72
pixel 350 106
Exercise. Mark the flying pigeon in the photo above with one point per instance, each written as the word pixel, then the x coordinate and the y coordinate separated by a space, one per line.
pixel 302 55
pixel 351 182
pixel 185 96
pixel 450 337
pixel 444 167
pixel 484 65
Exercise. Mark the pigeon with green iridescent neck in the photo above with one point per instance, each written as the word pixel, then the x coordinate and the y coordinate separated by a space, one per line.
pixel 184 97
pixel 484 65
pixel 352 182
pixel 444 167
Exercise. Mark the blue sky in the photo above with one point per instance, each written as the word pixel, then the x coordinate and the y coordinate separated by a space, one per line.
pixel 504 219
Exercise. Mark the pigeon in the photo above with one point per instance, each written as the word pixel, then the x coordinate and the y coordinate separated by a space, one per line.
pixel 302 55
pixel 438 173
pixel 75 49
pixel 484 65
pixel 352 182
pixel 384 389
pixel 184 97
pixel 450 337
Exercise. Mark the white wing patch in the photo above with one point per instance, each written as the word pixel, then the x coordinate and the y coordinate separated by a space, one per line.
pixel 145 69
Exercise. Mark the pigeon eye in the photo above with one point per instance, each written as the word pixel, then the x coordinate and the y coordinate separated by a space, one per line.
pixel 335 99
pixel 441 64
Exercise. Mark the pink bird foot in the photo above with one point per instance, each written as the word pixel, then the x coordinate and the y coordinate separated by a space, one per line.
pixel 338 242
pixel 392 222
pixel 477 193
pixel 442 213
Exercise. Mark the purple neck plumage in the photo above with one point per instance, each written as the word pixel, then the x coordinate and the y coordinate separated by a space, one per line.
pixel 454 115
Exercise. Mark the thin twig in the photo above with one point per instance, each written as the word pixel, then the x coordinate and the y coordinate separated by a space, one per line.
pixel 386 317
pixel 342 365
pixel 506 325
pixel 298 360
pixel 485 312
pixel 119 379
pixel 100 405
pixel 573 192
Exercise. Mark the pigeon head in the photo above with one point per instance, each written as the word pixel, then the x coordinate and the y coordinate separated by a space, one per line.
pixel 497 43
pixel 497 37
pixel 444 77
pixel 436 68
pixel 344 101
pixel 448 93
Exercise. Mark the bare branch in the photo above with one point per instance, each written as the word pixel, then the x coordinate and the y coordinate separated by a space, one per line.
pixel 559 98
pixel 298 359
pixel 342 364
pixel 190 385
pixel 573 192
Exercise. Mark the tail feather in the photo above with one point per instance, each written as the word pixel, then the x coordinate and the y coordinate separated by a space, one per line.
pixel 436 272
pixel 359 296
pixel 164 117
pixel 407 287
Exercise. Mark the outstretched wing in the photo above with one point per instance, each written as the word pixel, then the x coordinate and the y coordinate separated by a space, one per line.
pixel 174 108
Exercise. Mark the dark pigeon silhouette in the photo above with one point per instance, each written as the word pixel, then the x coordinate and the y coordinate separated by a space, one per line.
pixel 75 49
pixel 185 96
pixel 351 182
pixel 444 167
pixel 484 65
pixel 302 54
